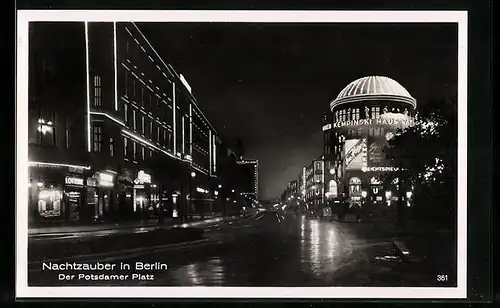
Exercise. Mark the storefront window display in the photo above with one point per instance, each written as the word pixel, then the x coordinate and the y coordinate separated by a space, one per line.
pixel 74 194
pixel 50 202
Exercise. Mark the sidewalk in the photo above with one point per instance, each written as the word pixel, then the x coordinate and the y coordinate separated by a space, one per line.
pixel 428 245
pixel 121 227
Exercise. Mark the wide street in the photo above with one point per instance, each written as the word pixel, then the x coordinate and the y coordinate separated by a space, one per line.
pixel 270 249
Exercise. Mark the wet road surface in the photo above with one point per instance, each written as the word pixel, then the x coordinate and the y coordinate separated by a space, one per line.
pixel 274 249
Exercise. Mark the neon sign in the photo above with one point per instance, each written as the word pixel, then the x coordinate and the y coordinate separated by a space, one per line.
pixel 368 122
pixel 69 180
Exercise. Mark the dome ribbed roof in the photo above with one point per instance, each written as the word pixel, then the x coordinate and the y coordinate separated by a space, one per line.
pixel 371 88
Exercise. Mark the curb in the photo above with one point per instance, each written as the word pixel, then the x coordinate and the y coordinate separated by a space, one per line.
pixel 128 253
pixel 404 252
pixel 149 227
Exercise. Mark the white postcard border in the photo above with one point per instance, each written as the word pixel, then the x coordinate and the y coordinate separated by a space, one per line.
pixel 26 16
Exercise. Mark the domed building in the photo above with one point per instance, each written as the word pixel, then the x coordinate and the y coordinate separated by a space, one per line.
pixel 361 120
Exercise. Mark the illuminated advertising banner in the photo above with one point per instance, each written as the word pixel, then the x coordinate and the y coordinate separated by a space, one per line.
pixel 393 120
pixel 353 150
pixel 376 154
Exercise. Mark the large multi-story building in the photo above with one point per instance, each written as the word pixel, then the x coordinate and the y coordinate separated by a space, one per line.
pixel 114 130
pixel 364 116
pixel 250 168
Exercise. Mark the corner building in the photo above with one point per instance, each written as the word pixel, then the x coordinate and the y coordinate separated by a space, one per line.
pixel 135 131
pixel 364 116
pixel 144 124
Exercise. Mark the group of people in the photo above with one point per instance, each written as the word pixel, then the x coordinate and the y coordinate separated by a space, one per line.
pixel 348 207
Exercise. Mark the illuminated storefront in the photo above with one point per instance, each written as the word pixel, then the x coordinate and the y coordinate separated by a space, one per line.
pixel 146 195
pixel 105 196
pixel 56 192
pixel 364 116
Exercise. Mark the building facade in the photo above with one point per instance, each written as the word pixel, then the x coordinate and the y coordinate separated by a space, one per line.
pixel 364 116
pixel 115 132
pixel 250 167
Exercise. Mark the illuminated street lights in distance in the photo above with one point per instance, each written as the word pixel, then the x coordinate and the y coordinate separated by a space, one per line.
pixel 193 174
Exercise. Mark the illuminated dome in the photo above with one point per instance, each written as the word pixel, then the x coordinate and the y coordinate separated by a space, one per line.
pixel 373 88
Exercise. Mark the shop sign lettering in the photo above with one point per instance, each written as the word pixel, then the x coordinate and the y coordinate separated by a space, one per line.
pixel 70 180
pixel 367 122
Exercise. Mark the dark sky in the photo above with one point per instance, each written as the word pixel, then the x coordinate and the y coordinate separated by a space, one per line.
pixel 269 84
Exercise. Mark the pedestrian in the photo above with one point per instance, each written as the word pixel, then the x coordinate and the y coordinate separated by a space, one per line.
pixel 357 211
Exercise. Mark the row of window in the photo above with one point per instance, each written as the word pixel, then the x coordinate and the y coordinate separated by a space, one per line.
pixel 134 150
pixel 368 113
pixel 148 127
pixel 131 48
pixel 131 149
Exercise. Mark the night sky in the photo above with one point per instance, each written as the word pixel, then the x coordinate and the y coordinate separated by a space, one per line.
pixel 270 84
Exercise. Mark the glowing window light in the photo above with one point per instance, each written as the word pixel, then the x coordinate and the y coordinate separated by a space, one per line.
pixel 43 127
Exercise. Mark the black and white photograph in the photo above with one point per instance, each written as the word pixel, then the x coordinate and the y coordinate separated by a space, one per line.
pixel 284 153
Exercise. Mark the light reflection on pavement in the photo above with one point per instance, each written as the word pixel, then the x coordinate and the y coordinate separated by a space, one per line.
pixel 279 249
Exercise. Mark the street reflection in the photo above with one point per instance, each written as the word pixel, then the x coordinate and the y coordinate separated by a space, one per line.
pixel 293 246
pixel 318 247
pixel 207 273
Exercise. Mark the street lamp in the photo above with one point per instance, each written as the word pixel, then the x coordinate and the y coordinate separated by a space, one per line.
pixel 220 186
pixel 364 194
pixel 232 190
pixel 193 174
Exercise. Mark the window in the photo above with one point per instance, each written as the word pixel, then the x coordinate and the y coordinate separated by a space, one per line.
pixel 45 128
pixel 150 153
pixel 134 120
pixel 375 112
pixel 97 91
pixel 158 134
pixel 356 114
pixel 67 136
pixel 166 141
pixel 143 96
pixel 142 125
pixel 143 150
pixel 125 81
pixel 134 91
pixel 125 112
pixel 111 146
pixel 97 138
pixel 151 130
pixel 125 147
pixel 149 100
pixel 134 149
